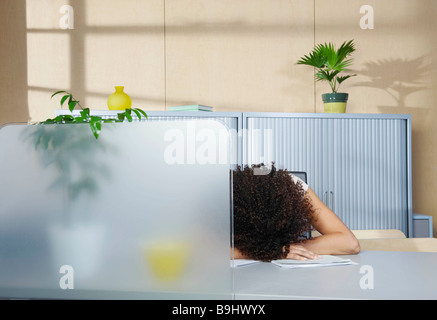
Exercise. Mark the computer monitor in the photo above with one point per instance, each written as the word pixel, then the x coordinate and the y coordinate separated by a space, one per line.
pixel 300 174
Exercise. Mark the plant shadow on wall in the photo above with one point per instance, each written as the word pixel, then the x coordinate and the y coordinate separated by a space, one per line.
pixel 399 78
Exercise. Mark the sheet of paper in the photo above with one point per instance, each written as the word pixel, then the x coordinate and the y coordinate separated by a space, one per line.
pixel 324 261
pixel 242 262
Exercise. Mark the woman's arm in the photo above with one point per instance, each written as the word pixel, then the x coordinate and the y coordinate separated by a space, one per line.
pixel 336 238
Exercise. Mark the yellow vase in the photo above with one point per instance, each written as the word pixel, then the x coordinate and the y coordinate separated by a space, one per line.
pixel 119 100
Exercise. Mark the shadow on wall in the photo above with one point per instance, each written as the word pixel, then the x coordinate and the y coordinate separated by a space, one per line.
pixel 13 75
pixel 399 78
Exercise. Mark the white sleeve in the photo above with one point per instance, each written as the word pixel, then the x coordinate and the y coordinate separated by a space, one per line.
pixel 299 180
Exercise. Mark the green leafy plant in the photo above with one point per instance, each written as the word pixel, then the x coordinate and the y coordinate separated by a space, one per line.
pixel 95 122
pixel 330 62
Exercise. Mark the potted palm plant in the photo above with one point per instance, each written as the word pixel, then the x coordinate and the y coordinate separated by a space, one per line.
pixel 330 63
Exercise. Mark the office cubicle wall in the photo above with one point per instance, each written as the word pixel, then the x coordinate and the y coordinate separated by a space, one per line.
pixel 129 215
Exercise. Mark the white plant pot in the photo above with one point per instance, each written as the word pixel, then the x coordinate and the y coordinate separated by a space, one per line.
pixel 79 247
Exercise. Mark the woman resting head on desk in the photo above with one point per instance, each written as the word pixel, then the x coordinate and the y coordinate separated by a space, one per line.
pixel 271 213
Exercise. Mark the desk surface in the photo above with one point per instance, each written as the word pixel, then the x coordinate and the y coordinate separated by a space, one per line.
pixel 396 275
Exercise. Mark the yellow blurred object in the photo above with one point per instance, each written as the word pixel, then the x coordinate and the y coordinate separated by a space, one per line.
pixel 167 260
pixel 119 100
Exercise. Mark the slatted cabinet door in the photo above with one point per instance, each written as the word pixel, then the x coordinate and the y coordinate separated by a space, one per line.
pixel 367 172
pixel 358 166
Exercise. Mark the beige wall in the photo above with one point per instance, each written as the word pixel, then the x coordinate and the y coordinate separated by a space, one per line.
pixel 13 62
pixel 239 55
pixel 233 55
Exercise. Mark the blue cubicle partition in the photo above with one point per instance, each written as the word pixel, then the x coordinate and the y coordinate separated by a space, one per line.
pixel 141 212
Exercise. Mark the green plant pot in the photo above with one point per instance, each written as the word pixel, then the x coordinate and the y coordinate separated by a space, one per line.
pixel 335 102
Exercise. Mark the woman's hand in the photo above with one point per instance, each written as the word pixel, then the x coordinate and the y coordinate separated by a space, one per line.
pixel 298 252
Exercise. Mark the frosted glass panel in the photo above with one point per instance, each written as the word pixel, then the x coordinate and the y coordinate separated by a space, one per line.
pixel 142 212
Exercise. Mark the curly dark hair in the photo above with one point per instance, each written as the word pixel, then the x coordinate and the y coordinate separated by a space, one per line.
pixel 270 212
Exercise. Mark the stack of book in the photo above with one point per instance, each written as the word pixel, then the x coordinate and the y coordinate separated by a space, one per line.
pixel 195 107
